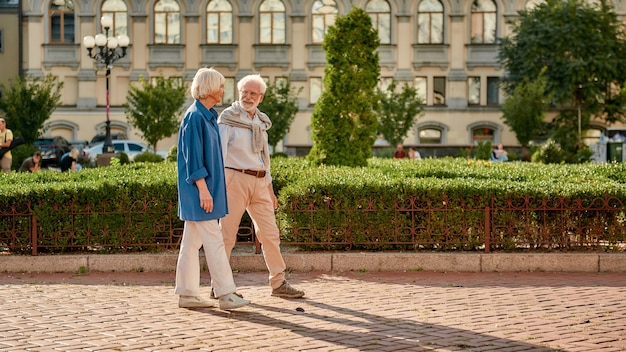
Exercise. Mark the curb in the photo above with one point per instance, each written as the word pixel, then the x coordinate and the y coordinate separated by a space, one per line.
pixel 332 262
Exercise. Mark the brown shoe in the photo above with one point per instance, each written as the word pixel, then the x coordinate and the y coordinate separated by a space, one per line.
pixel 287 291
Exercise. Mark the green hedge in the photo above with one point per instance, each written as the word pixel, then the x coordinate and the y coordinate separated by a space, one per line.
pixel 357 204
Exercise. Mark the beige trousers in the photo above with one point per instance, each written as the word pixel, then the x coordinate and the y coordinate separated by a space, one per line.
pixel 5 163
pixel 205 234
pixel 250 193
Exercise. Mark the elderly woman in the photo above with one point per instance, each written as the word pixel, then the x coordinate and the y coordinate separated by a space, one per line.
pixel 202 198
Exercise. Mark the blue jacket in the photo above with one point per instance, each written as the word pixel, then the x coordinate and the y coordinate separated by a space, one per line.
pixel 200 156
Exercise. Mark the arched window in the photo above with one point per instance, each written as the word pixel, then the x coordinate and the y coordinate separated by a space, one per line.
pixel 429 135
pixel 430 22
pixel 483 22
pixel 380 12
pixel 166 22
pixel 483 133
pixel 323 15
pixel 118 11
pixel 219 22
pixel 62 22
pixel 272 24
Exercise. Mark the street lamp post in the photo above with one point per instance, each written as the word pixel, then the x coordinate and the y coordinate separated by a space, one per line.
pixel 108 51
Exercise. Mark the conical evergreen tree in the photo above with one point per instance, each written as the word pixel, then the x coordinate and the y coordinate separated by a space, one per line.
pixel 343 122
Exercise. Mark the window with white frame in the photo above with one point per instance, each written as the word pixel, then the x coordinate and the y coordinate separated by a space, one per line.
pixel 61 17
pixel 219 22
pixel 439 91
pixel 483 21
pixel 421 85
pixel 323 15
pixel 380 13
pixel 473 91
pixel 430 22
pixel 167 22
pixel 493 90
pixel 272 22
pixel 531 4
pixel 229 91
pixel 315 89
pixel 118 11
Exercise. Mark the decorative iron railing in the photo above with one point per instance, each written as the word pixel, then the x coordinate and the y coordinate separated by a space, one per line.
pixel 411 224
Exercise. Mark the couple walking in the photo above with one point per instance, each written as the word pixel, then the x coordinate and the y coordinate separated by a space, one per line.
pixel 223 171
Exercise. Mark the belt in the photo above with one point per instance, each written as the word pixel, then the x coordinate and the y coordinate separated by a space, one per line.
pixel 250 172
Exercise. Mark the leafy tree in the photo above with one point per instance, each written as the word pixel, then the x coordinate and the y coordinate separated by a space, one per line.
pixel 280 103
pixel 581 47
pixel 397 111
pixel 343 122
pixel 524 110
pixel 28 103
pixel 154 108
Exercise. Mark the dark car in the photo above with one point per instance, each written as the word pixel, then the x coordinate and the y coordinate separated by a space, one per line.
pixel 101 136
pixel 52 149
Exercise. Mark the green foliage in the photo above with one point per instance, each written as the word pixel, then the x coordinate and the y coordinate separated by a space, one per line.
pixel 280 103
pixel 389 204
pixel 397 112
pixel 154 107
pixel 579 48
pixel 524 110
pixel 483 150
pixel 20 154
pixel 148 157
pixel 343 122
pixel 549 153
pixel 28 103
pixel 123 158
pixel 172 154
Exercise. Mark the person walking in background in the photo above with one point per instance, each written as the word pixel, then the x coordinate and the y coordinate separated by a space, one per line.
pixel 499 154
pixel 414 154
pixel 202 198
pixel 6 137
pixel 31 164
pixel 399 153
pixel 249 184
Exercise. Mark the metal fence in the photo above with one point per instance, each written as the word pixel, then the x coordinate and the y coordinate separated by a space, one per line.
pixel 412 224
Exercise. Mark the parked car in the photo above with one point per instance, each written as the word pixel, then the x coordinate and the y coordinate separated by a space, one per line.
pixel 101 136
pixel 80 145
pixel 52 148
pixel 131 148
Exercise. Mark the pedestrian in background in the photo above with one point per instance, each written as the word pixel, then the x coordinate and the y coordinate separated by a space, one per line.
pixel 202 198
pixel 6 137
pixel 249 184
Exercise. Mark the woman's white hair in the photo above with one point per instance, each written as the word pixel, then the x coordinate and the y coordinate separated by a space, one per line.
pixel 206 82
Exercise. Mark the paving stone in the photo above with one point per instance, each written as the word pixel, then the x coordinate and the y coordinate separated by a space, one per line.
pixel 342 311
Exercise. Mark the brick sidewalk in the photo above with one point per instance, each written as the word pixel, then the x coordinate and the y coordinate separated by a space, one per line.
pixel 357 311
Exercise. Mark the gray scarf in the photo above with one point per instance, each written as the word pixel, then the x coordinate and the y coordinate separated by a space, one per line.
pixel 236 116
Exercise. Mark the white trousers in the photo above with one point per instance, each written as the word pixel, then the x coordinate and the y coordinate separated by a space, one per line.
pixel 205 234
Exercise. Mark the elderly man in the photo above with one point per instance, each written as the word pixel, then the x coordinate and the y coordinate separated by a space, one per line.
pixel 248 182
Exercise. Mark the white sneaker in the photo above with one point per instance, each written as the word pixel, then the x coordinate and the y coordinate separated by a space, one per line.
pixel 232 301
pixel 193 302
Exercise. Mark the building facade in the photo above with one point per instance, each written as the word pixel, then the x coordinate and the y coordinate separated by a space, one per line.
pixel 445 48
